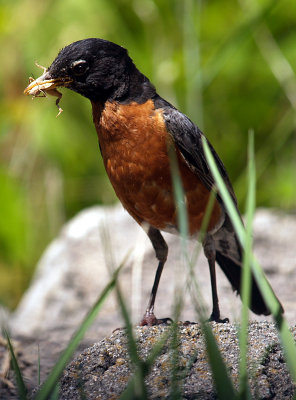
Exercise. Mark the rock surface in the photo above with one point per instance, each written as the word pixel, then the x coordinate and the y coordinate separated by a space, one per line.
pixel 104 370
pixel 76 267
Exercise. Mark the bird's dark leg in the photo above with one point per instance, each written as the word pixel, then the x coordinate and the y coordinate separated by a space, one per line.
pixel 161 252
pixel 210 253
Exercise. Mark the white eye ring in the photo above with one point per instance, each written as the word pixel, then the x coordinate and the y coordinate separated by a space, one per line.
pixel 79 67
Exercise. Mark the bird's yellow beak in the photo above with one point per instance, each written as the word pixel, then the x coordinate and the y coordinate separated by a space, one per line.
pixel 45 84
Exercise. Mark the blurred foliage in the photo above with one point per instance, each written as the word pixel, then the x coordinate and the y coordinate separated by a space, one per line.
pixel 229 65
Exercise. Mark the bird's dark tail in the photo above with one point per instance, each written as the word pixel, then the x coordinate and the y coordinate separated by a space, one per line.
pixel 229 257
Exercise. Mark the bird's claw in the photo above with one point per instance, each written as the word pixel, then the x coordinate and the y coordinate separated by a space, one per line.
pixel 217 319
pixel 149 319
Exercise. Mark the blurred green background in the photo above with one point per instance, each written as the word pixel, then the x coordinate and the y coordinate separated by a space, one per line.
pixel 230 65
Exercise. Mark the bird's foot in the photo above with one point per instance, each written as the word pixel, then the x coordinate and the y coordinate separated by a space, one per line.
pixel 149 319
pixel 188 323
pixel 216 318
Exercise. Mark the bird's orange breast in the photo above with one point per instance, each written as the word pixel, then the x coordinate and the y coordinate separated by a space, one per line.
pixel 134 142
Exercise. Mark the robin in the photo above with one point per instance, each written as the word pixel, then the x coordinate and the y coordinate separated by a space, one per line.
pixel 135 127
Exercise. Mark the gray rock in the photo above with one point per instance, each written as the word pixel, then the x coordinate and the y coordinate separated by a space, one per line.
pixel 104 370
pixel 76 267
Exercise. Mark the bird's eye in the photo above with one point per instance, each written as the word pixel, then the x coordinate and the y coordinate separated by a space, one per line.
pixel 79 67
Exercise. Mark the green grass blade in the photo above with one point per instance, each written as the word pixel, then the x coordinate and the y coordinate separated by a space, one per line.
pixel 132 345
pixel 129 392
pixel 196 295
pixel 246 274
pixel 191 27
pixel 223 383
pixel 21 387
pixel 182 217
pixel 176 382
pixel 50 383
pixel 231 208
pixel 222 380
pixel 178 193
pixel 266 290
pixel 137 387
pixel 55 394
pixel 157 349
pixel 207 216
pixel 288 344
pixel 39 366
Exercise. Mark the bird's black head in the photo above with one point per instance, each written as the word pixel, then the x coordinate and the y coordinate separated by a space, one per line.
pixel 95 68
